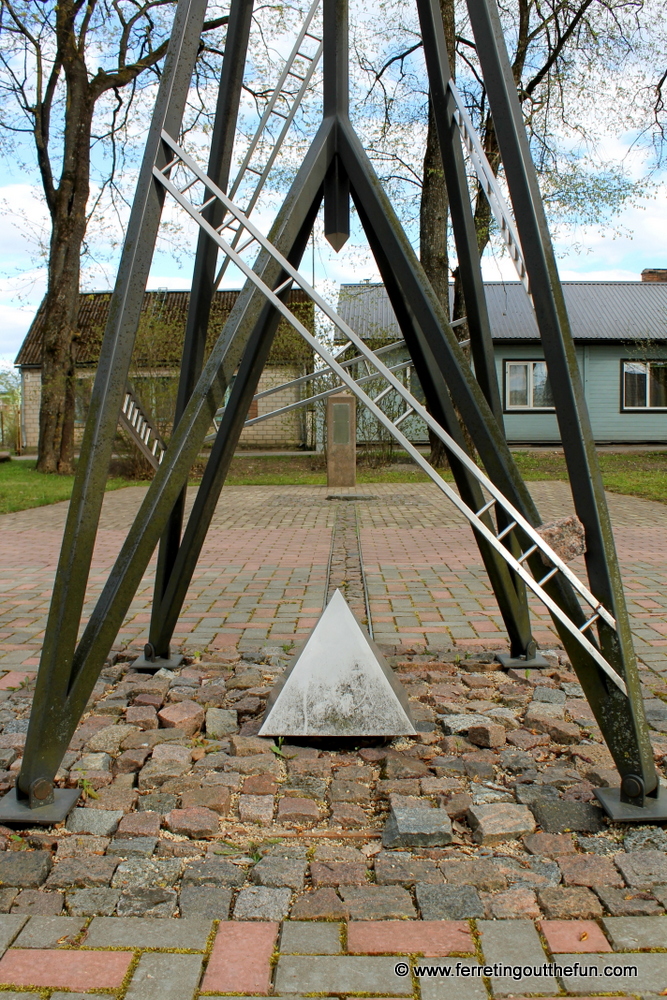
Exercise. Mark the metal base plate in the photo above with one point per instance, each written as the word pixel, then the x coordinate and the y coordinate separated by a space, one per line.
pixel 141 663
pixel 537 662
pixel 15 810
pixel 654 811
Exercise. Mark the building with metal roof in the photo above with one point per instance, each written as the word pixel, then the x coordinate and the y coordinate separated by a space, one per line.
pixel 620 334
pixel 157 358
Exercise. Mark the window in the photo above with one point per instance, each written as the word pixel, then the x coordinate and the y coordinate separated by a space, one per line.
pixel 527 386
pixel 645 385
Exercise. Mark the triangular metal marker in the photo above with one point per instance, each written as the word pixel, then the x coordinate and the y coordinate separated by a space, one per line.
pixel 339 685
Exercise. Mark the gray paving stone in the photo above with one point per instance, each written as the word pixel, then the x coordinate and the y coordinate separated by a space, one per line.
pixel 448 902
pixel 461 986
pixel 280 872
pixel 10 925
pixel 68 996
pixel 401 868
pixel 150 873
pixel 80 873
pixel 154 902
pixel 165 977
pixel 302 937
pixel 213 871
pixel 643 868
pixel 24 869
pixel 93 902
pixel 37 996
pixel 205 901
pixel 514 943
pixel 260 903
pixel 650 978
pixel 378 902
pixel 636 933
pixel 557 816
pixel 132 847
pixel 140 932
pixel 49 932
pixel 340 974
pixel 99 822
pixel 417 827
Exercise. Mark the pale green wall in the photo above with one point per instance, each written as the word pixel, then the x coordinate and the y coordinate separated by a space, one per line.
pixel 600 366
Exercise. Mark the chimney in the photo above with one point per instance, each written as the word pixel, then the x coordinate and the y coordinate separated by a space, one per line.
pixel 654 274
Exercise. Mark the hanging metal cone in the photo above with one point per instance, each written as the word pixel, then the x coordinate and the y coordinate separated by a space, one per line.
pixel 340 685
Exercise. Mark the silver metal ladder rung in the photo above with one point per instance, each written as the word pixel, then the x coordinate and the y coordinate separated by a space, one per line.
pixel 489 183
pixel 487 506
pixel 506 530
pixel 591 620
pixel 547 577
pixel 244 246
pixel 403 416
pixel 281 288
pixel 517 564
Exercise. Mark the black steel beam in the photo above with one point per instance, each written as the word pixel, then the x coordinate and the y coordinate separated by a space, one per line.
pixel 559 352
pixel 458 194
pixel 58 668
pixel 203 281
pixel 335 58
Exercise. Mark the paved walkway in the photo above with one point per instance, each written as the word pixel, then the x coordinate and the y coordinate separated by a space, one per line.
pixel 529 891
pixel 161 960
pixel 263 569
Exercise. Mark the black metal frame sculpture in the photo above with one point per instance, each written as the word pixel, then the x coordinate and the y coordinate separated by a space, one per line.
pixel 335 168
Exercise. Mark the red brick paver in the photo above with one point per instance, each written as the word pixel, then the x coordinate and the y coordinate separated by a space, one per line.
pixel 241 958
pixel 71 970
pixel 431 938
pixel 569 936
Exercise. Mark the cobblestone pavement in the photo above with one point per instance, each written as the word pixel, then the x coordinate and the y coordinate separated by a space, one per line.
pixel 204 860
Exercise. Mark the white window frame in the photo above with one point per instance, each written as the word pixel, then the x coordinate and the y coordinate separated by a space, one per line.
pixel 646 408
pixel 529 407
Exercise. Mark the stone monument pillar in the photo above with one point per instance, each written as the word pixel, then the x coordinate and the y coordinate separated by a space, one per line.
pixel 341 440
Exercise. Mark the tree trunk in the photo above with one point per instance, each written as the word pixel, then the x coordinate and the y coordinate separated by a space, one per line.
pixel 67 205
pixel 433 213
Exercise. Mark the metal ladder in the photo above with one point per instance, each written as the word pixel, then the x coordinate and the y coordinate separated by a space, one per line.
pixel 141 429
pixel 489 184
pixel 300 65
pixel 516 522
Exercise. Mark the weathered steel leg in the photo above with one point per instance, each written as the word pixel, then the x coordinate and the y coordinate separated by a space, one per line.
pixel 576 435
pixel 513 608
pixel 222 452
pixel 203 281
pixel 467 252
pixel 62 698
pixel 619 718
pixel 58 668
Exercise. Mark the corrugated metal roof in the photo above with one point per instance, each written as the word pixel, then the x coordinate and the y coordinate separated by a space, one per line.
pixel 598 310
pixel 161 329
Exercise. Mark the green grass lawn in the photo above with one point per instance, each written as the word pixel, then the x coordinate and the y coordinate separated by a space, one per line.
pixel 641 474
pixel 21 487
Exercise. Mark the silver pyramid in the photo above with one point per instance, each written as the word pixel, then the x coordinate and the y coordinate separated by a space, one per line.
pixel 339 685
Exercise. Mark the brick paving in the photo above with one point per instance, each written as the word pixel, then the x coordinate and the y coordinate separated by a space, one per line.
pixel 200 862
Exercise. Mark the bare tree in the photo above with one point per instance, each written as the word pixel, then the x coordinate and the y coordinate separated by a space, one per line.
pixel 54 91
